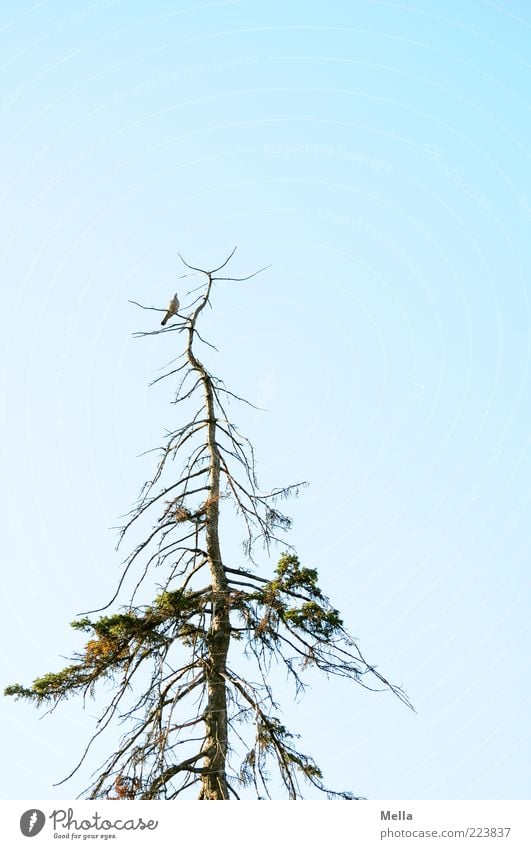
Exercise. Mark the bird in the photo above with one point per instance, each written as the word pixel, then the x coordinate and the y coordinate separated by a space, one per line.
pixel 173 309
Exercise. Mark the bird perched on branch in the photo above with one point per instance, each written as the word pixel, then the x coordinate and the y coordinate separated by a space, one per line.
pixel 173 309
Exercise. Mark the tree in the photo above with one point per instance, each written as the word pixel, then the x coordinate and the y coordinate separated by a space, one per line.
pixel 194 716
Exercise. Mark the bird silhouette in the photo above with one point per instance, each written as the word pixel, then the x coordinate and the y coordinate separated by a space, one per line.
pixel 173 309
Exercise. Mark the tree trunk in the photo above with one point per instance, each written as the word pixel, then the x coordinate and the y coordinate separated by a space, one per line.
pixel 214 780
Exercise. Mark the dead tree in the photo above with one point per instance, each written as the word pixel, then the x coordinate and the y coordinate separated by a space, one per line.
pixel 193 717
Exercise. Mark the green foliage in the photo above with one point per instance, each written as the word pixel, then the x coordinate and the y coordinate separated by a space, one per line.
pixel 176 602
pixel 116 641
pixel 53 685
pixel 18 691
pixel 293 576
pixel 314 615
pixel 313 618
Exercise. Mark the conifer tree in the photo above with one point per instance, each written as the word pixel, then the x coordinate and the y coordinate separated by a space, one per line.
pixel 175 672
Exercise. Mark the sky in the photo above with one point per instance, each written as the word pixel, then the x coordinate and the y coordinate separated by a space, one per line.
pixel 375 154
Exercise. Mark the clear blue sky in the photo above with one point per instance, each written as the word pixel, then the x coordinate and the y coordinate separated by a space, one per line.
pixel 376 154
